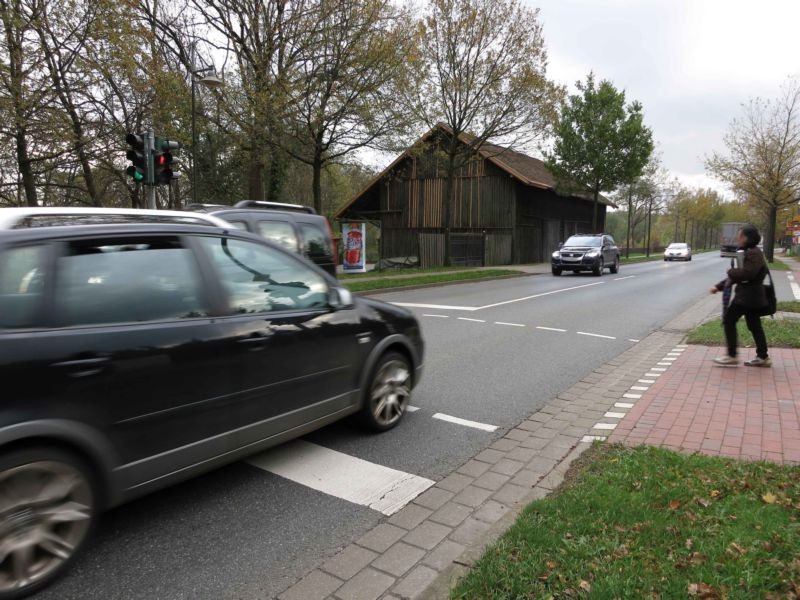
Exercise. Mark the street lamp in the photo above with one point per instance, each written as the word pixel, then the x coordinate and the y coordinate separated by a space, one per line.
pixel 210 81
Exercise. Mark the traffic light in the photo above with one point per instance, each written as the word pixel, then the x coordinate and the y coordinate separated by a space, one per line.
pixel 164 161
pixel 137 155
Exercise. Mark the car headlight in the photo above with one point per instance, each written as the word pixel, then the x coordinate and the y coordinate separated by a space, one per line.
pixel 556 254
pixel 593 253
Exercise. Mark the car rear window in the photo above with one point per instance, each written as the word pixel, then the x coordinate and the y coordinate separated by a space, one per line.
pixel 280 232
pixel 22 279
pixel 315 240
pixel 131 280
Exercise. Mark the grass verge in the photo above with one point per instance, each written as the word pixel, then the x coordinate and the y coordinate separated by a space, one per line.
pixel 398 272
pixel 789 306
pixel 779 266
pixel 650 523
pixel 781 333
pixel 394 282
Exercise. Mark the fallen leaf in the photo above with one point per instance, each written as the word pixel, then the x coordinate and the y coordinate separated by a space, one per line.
pixel 551 564
pixel 689 544
pixel 734 547
pixel 698 558
pixel 769 498
pixel 621 552
pixel 704 502
pixel 674 504
pixel 715 493
pixel 701 590
pixel 585 586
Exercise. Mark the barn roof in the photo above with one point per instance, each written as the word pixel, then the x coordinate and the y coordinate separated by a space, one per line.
pixel 527 169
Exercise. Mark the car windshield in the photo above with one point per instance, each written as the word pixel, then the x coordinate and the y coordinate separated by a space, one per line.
pixel 584 240
pixel 677 246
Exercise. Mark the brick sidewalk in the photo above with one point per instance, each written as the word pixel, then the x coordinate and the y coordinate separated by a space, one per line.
pixel 740 412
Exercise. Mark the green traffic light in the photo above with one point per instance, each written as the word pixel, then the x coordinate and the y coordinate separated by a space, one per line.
pixel 135 173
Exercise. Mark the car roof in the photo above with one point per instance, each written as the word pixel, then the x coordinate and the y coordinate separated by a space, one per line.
pixel 11 218
pixel 82 231
pixel 265 213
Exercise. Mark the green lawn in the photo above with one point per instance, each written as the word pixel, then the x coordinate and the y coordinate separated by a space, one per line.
pixel 789 306
pixel 779 266
pixel 781 333
pixel 649 523
pixel 396 272
pixel 394 282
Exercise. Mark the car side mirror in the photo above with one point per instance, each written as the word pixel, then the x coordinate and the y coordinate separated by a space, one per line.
pixel 340 298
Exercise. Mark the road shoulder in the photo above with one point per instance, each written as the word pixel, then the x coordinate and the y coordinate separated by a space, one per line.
pixel 422 549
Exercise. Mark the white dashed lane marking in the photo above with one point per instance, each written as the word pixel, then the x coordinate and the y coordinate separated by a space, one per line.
pixel 473 320
pixel 623 405
pixel 552 329
pixel 412 408
pixel 597 335
pixel 608 426
pixel 593 438
pixel 509 324
pixel 343 476
pixel 614 415
pixel 465 422
pixel 628 277
pixel 437 316
pixel 632 396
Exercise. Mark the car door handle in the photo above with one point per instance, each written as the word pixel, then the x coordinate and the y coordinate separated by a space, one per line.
pixel 255 342
pixel 84 367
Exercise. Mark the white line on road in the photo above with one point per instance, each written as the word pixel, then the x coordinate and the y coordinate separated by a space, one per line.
pixel 628 277
pixel 633 340
pixel 576 287
pixel 794 285
pixel 464 422
pixel 437 316
pixel 473 320
pixel 412 408
pixel 623 405
pixel 632 396
pixel 647 381
pixel 664 364
pixel 593 438
pixel 435 306
pixel 597 335
pixel 509 324
pixel 551 329
pixel 653 374
pixel 640 388
pixel 605 426
pixel 336 474
pixel 670 358
pixel 614 415
pixel 662 369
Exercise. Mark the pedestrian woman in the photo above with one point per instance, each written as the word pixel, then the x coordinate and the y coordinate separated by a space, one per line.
pixel 749 299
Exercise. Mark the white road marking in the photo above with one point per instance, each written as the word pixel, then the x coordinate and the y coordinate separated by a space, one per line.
pixel 593 438
pixel 681 345
pixel 552 329
pixel 509 324
pixel 464 422
pixel 412 408
pixel 632 396
pixel 653 374
pixel 343 476
pixel 669 358
pixel 794 285
pixel 664 364
pixel 473 320
pixel 597 335
pixel 605 426
pixel 633 340
pixel 674 354
pixel 437 316
pixel 678 350
pixel 641 388
pixel 623 404
pixel 662 369
pixel 439 306
pixel 628 277
pixel 577 287
pixel 647 381
pixel 614 415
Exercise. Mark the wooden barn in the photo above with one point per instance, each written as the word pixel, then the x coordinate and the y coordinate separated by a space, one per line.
pixel 505 208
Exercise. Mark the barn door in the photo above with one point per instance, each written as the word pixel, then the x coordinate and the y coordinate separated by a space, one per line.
pixel 466 249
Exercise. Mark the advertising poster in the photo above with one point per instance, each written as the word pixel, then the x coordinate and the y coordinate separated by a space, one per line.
pixel 354 236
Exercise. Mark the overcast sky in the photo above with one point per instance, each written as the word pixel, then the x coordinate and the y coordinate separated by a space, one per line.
pixel 691 63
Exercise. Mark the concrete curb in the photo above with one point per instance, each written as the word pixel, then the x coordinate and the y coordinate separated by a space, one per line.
pixel 420 551
pixel 406 288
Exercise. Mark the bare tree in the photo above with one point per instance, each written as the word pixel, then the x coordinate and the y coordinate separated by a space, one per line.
pixel 483 75
pixel 763 155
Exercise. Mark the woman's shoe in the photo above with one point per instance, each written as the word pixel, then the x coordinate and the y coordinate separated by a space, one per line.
pixel 759 362
pixel 726 361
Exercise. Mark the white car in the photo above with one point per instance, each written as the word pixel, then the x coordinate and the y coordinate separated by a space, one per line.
pixel 678 251
pixel 52 216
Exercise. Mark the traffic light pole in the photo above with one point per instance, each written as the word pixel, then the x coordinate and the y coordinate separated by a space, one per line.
pixel 150 184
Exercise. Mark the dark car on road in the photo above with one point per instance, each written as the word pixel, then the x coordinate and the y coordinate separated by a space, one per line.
pixel 136 356
pixel 295 227
pixel 586 252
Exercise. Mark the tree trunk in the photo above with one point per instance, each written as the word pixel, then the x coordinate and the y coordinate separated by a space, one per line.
pixel 317 183
pixel 649 224
pixel 255 184
pixel 25 168
pixel 769 238
pixel 594 209
pixel 628 240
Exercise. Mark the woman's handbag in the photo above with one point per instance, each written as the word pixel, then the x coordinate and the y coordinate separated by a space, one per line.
pixel 772 301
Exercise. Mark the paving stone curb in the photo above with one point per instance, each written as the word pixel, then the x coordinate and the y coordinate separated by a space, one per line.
pixel 420 551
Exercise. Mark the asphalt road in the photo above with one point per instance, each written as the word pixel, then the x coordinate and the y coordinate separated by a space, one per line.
pixel 496 351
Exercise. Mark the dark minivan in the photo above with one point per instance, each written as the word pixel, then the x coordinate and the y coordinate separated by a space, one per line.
pixel 135 356
pixel 295 227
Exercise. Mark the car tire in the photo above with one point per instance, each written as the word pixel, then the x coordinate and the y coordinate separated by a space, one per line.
pixel 388 392
pixel 556 272
pixel 57 515
pixel 598 270
pixel 615 267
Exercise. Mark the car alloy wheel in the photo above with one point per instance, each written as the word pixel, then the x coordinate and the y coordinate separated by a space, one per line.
pixel 615 267
pixel 389 392
pixel 598 270
pixel 46 512
pixel 556 271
